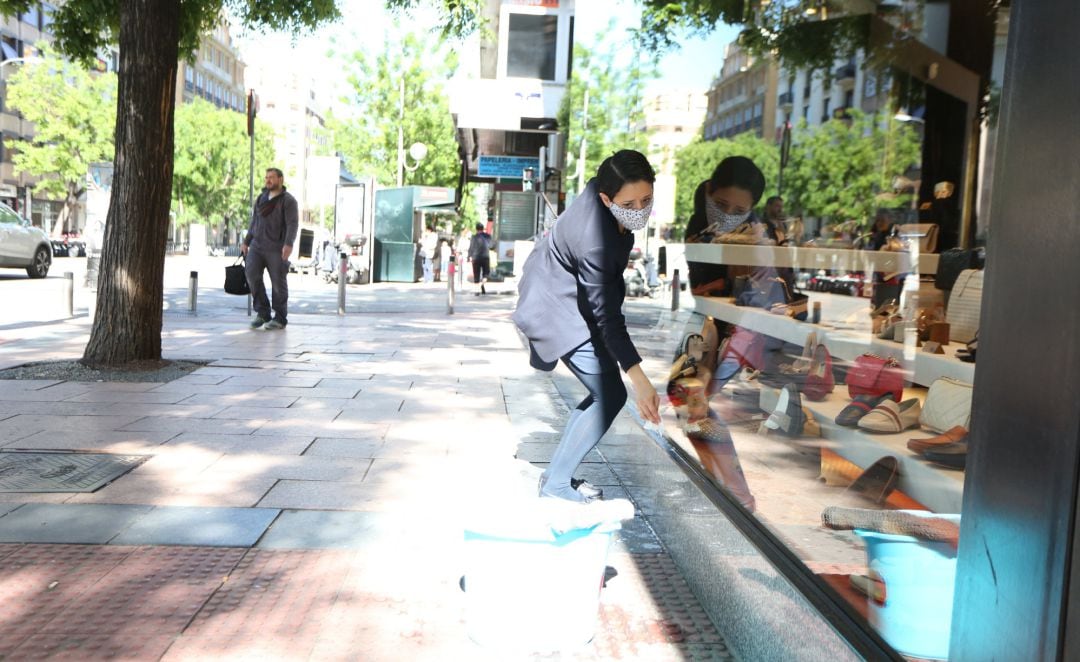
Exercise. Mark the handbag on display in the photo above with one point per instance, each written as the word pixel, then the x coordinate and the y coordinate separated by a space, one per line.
pixel 747 346
pixel 235 278
pixel 875 376
pixel 925 234
pixel 950 264
pixel 947 405
pixel 965 305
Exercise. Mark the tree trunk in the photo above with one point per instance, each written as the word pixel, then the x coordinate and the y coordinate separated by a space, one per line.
pixel 127 324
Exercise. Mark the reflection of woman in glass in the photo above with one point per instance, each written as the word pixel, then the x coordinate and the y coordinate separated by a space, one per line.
pixel 570 308
pixel 721 204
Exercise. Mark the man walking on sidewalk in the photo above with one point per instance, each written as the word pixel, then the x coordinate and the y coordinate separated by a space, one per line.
pixel 479 252
pixel 267 246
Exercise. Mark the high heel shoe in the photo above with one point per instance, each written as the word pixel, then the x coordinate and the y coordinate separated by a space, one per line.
pixel 802 364
pixel 880 316
pixel 819 380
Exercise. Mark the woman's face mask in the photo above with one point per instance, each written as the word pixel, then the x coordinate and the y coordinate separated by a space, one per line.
pixel 632 194
pixel 724 221
pixel 631 219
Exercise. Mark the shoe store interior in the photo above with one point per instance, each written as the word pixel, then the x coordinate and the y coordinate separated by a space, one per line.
pixel 825 378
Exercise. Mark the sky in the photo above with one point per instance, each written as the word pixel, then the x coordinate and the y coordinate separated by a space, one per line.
pixel 694 65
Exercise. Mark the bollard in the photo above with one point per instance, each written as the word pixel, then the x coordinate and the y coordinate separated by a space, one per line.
pixel 450 286
pixel 343 272
pixel 193 291
pixel 69 292
pixel 675 290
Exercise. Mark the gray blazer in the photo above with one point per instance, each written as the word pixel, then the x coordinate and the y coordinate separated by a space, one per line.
pixel 572 290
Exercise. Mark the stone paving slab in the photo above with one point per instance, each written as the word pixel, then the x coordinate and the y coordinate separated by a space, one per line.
pixel 114 441
pixel 214 527
pixel 315 529
pixel 356 448
pixel 73 524
pixel 236 444
pixel 179 424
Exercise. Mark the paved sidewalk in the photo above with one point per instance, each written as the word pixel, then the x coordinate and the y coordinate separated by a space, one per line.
pixel 305 493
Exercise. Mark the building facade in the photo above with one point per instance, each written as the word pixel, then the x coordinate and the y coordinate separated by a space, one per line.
pixel 216 74
pixel 742 97
pixel 18 38
pixel 672 120
pixel 289 104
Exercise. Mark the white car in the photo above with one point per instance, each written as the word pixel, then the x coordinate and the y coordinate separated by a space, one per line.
pixel 22 245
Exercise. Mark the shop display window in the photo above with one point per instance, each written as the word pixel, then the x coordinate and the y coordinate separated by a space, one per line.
pixel 824 380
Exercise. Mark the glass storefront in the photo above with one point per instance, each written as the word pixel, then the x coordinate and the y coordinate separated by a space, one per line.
pixel 824 380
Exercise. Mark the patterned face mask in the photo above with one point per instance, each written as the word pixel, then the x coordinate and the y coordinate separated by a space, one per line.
pixel 724 222
pixel 631 219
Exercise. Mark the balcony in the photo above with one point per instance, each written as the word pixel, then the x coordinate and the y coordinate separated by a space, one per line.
pixel 786 101
pixel 845 76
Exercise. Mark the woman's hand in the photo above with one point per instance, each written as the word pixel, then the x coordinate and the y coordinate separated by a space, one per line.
pixel 648 402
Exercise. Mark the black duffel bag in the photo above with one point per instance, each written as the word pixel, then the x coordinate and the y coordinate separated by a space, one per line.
pixel 236 279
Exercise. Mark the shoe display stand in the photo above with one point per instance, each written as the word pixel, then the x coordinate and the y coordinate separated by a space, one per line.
pixel 845 330
pixel 802 257
pixel 940 490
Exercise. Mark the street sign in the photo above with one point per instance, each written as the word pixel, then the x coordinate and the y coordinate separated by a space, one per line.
pixel 510 167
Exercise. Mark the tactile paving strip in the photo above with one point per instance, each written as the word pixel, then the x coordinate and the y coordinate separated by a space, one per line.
pixel 649 612
pixel 25 471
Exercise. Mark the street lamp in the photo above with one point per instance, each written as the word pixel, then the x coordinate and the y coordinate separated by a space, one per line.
pixel 417 150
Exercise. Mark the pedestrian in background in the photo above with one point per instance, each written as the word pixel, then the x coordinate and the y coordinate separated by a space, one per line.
pixel 570 309
pixel 480 256
pixel 267 246
pixel 428 242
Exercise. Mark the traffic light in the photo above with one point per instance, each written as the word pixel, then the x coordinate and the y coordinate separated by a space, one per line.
pixel 252 110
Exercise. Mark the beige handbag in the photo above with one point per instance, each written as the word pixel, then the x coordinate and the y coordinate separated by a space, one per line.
pixel 965 305
pixel 925 234
pixel 948 404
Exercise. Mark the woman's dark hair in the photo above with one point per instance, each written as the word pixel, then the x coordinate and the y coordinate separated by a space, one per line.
pixel 623 166
pixel 740 172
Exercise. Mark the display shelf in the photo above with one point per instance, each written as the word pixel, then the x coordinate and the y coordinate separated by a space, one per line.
pixel 845 331
pixel 802 257
pixel 940 490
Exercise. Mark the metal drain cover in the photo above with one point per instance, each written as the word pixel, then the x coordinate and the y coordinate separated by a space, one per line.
pixel 25 471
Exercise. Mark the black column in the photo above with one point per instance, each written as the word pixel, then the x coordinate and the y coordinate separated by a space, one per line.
pixel 1015 564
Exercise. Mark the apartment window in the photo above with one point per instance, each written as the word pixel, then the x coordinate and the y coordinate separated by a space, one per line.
pixel 825 109
pixel 47 12
pixel 531 46
pixel 849 98
pixel 11 47
pixel 189 75
pixel 806 113
pixel 757 110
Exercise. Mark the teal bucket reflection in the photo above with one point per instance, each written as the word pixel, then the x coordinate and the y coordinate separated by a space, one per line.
pixel 913 610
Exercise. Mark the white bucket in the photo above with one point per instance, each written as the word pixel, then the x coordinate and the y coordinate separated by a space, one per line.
pixel 916 576
pixel 534 595
pixel 533 571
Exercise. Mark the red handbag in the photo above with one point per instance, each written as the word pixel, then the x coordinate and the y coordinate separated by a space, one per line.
pixel 875 376
pixel 748 347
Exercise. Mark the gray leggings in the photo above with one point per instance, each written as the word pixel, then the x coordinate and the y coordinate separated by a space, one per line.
pixel 597 371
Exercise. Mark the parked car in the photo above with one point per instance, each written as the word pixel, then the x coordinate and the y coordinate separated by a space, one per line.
pixel 23 246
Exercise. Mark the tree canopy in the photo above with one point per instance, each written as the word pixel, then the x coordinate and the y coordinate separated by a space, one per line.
pixel 846 169
pixel 368 139
pixel 211 163
pixel 74 114
pixel 696 162
pixel 615 106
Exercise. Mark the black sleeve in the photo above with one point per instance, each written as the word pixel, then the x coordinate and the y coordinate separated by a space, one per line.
pixel 601 279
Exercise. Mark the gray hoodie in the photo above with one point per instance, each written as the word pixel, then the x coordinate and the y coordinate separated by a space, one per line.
pixel 274 222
